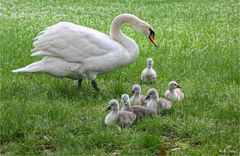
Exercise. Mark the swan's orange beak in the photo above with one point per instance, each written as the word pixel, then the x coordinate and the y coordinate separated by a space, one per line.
pixel 151 37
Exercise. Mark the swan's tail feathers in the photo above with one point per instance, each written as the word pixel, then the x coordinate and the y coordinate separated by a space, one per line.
pixel 34 67
pixel 37 52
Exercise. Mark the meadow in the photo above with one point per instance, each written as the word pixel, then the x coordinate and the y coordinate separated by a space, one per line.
pixel 198 47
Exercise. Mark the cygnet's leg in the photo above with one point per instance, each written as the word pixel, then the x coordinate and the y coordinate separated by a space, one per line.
pixel 164 112
pixel 79 84
pixel 95 86
pixel 153 80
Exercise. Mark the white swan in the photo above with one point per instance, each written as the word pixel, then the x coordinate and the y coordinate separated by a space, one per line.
pixel 79 52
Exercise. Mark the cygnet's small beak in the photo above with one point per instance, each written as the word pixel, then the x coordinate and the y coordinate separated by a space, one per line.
pixel 109 108
pixel 124 101
pixel 133 91
pixel 151 37
pixel 148 97
pixel 178 86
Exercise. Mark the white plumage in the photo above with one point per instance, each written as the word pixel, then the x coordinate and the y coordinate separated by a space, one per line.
pixel 149 74
pixel 174 93
pixel 79 52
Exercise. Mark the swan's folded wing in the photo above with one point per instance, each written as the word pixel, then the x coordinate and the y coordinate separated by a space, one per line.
pixel 167 94
pixel 126 118
pixel 139 111
pixel 179 93
pixel 143 100
pixel 72 42
pixel 164 103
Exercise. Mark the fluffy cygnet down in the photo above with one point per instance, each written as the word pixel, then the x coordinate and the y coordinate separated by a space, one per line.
pixel 137 98
pixel 122 118
pixel 174 92
pixel 139 111
pixel 149 74
pixel 156 104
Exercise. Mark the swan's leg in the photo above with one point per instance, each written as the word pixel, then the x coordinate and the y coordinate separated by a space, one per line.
pixel 95 86
pixel 92 76
pixel 79 84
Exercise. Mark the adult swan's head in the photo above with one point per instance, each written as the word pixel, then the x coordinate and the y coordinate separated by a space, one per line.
pixel 142 26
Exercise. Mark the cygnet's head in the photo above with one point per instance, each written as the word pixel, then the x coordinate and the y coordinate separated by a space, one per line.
pixel 152 94
pixel 173 85
pixel 113 105
pixel 136 89
pixel 125 99
pixel 149 62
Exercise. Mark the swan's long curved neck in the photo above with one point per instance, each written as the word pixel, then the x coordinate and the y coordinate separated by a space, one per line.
pixel 116 33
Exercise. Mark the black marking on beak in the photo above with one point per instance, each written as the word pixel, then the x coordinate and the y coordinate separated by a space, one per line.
pixel 178 86
pixel 148 97
pixel 133 91
pixel 125 101
pixel 151 32
pixel 151 37
pixel 109 108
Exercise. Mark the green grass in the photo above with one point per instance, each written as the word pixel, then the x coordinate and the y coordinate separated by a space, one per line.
pixel 198 47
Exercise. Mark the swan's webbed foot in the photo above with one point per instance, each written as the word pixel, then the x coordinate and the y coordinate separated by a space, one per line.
pixel 79 84
pixel 95 86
